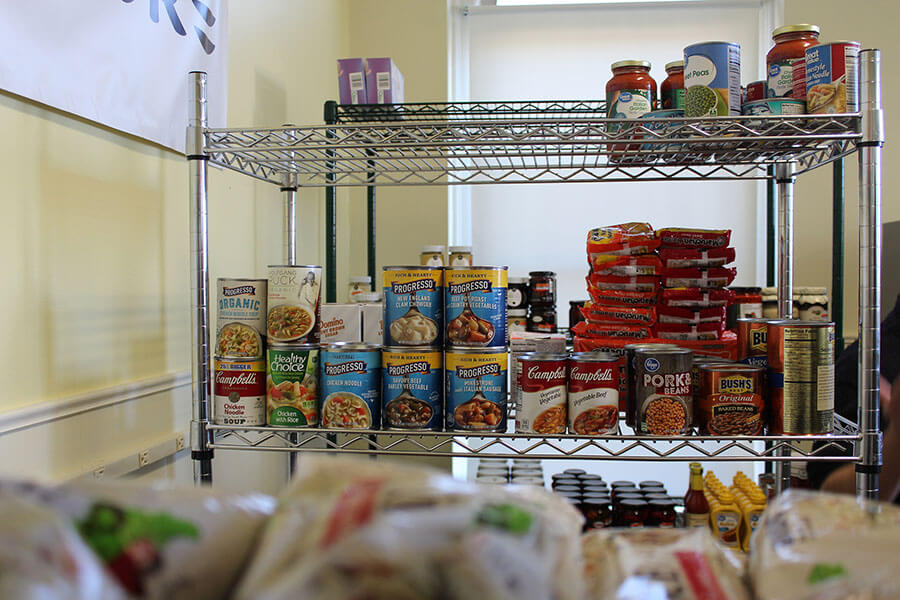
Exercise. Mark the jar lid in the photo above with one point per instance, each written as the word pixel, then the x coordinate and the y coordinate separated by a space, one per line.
pixel 360 279
pixel 371 297
pixel 432 249
pixel 675 64
pixel 630 63
pixel 650 484
pixel 662 503
pixel 574 472
pixel 803 27
pixel 523 280
pixel 567 488
pixel 541 274
pixel 592 477
pixel 624 497
pixel 517 312
pixel 618 484
pixel 595 499
pixel 460 249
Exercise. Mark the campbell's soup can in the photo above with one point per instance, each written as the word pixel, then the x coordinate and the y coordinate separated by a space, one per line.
pixel 801 377
pixel 412 388
pixel 413 306
pixel 293 303
pixel 663 393
pixel 239 391
pixel 593 393
pixel 756 90
pixel 712 79
pixel 475 306
pixel 541 397
pixel 476 389
pixel 751 342
pixel 628 390
pixel 292 385
pixel 240 317
pixel 731 400
pixel 832 84
pixel 351 385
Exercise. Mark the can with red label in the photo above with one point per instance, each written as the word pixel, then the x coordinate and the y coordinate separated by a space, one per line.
pixel 663 394
pixel 798 76
pixel 731 401
pixel 593 393
pixel 756 90
pixel 239 391
pixel 541 398
pixel 751 342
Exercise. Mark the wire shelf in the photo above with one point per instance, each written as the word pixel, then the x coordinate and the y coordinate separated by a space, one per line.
pixel 468 111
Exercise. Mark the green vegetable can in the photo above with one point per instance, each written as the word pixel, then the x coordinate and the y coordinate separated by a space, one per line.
pixel 712 79
pixel 292 385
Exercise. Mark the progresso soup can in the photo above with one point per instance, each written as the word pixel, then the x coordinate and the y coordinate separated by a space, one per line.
pixel 294 295
pixel 240 317
pixel 412 388
pixel 239 391
pixel 292 385
pixel 413 306
pixel 476 389
pixel 351 385
pixel 475 301
pixel 712 79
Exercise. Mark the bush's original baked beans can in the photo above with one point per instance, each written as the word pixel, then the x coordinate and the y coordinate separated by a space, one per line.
pixel 699 361
pixel 751 340
pixel 476 389
pixel 801 377
pixel 293 303
pixel 240 317
pixel 292 385
pixel 412 388
pixel 541 397
pixel 475 306
pixel 663 395
pixel 351 385
pixel 593 393
pixel 731 401
pixel 239 391
pixel 628 389
pixel 413 306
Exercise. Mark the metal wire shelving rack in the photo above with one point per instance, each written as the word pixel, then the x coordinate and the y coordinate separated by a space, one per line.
pixel 541 142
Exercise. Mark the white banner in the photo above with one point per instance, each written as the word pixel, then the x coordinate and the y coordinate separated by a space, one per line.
pixel 121 63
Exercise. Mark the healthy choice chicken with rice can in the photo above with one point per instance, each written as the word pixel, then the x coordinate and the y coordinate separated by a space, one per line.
pixel 413 306
pixel 292 385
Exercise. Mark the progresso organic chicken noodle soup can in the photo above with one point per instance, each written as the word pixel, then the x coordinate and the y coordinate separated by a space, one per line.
pixel 712 79
pixel 294 296
pixel 476 389
pixel 412 388
pixel 475 301
pixel 413 306
pixel 351 386
pixel 292 385
pixel 240 317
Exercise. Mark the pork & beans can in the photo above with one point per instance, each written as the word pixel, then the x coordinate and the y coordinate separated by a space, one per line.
pixel 541 397
pixel 292 385
pixel 663 395
pixel 476 389
pixel 593 393
pixel 413 306
pixel 351 385
pixel 475 306
pixel 293 303
pixel 731 400
pixel 239 391
pixel 412 388
pixel 240 317
pixel 628 389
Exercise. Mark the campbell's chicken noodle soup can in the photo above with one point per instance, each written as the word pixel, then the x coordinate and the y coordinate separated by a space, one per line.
pixel 731 400
pixel 663 393
pixel 294 294
pixel 751 342
pixel 832 82
pixel 292 385
pixel 476 389
pixel 240 317
pixel 801 377
pixel 628 389
pixel 593 393
pixel 541 397
pixel 239 391
pixel 475 306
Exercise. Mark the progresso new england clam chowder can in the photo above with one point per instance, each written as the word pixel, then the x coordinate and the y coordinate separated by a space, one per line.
pixel 413 306
pixel 475 301
pixel 476 389
pixel 351 385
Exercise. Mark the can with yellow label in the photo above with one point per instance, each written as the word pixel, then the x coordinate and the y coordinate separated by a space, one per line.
pixel 475 301
pixel 476 389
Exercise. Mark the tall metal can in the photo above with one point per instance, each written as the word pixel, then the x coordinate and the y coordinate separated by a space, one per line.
pixel 628 389
pixel 752 335
pixel 240 317
pixel 663 395
pixel 712 79
pixel 294 298
pixel 292 385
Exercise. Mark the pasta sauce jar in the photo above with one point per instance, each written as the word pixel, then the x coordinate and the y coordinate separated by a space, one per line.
pixel 791 42
pixel 671 91
pixel 632 91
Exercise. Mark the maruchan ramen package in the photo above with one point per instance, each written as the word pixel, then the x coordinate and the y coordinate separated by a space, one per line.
pixel 603 313
pixel 716 277
pixel 678 331
pixel 691 316
pixel 641 283
pixel 620 297
pixel 629 266
pixel 625 239
pixel 681 258
pixel 694 297
pixel 598 330
pixel 678 237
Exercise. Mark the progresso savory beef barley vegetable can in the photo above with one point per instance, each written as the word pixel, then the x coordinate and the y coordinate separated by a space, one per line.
pixel 240 317
pixel 476 389
pixel 239 391
pixel 663 393
pixel 351 385
pixel 293 303
pixel 712 79
pixel 475 306
pixel 412 388
pixel 292 385
pixel 413 306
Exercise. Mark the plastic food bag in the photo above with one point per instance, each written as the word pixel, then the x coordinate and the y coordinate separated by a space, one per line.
pixel 691 316
pixel 703 331
pixel 696 298
pixel 601 313
pixel 679 237
pixel 641 283
pixel 682 258
pixel 621 298
pixel 813 545
pixel 629 266
pixel 715 277
pixel 623 239
pixel 600 330
pixel 364 529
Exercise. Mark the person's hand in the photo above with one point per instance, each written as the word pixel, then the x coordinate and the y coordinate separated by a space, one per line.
pixel 890 400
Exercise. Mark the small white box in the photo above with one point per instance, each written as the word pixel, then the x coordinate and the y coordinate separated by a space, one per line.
pixel 341 323
pixel 372 323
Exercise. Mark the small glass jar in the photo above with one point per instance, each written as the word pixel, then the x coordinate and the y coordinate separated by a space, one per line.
pixel 574 472
pixel 517 319
pixel 791 42
pixel 460 256
pixel 592 477
pixel 618 484
pixel 358 284
pixel 620 491
pixel 595 488
pixel 431 256
pixel 567 480
pixel 633 513
pixel 812 304
pixel 542 287
pixel 661 513
pixel 769 303
pixel 567 489
pixel 575 314
pixel 517 293
pixel 597 511
pixel 619 497
pixel 651 484
pixel 541 318
pixel 656 496
pixel 368 298
pixel 671 91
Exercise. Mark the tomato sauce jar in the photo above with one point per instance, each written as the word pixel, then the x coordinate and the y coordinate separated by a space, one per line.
pixel 791 42
pixel 632 91
pixel 671 92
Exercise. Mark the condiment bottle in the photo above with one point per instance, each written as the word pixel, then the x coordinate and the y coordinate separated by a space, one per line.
pixel 724 514
pixel 671 91
pixel 791 42
pixel 696 507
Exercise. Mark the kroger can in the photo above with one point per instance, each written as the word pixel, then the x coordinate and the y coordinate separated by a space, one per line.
pixel 832 84
pixel 541 394
pixel 413 306
pixel 712 79
pixel 293 303
pixel 628 390
pixel 292 385
pixel 239 391
pixel 663 393
pixel 412 388
pixel 351 385
pixel 476 389
pixel 475 306
pixel 751 342
pixel 240 317
pixel 731 400
pixel 593 393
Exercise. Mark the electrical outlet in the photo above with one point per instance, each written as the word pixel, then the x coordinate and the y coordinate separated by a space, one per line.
pixel 179 442
pixel 99 472
pixel 144 458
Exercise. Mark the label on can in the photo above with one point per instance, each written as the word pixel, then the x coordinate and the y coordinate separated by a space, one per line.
pixel 712 79
pixel 663 392
pixel 798 67
pixel 831 78
pixel 412 388
pixel 780 83
pixel 239 392
pixel 541 398
pixel 413 306
pixel 628 104
pixel 240 317
pixel 292 384
pixel 476 389
pixel 752 348
pixel 593 396
pixel 731 401
pixel 802 378
pixel 351 388
pixel 475 301
pixel 775 106
pixel 294 294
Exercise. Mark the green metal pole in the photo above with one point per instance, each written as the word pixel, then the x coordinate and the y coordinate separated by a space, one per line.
pixel 771 227
pixel 370 223
pixel 837 255
pixel 330 214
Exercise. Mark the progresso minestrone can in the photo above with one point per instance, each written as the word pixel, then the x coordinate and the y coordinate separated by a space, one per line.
pixel 294 298
pixel 292 385
pixel 475 306
pixel 239 391
pixel 412 388
pixel 240 317
pixel 476 389
pixel 413 306
pixel 351 386
pixel 712 79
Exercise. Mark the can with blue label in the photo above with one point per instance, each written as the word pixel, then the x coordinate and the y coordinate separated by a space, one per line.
pixel 663 128
pixel 476 389
pixel 475 300
pixel 413 306
pixel 412 388
pixel 351 385
pixel 712 79
pixel 775 106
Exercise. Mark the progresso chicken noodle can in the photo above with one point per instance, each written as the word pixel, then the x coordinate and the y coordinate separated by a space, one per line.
pixel 413 306
pixel 412 388
pixel 240 317
pixel 292 385
pixel 476 389
pixel 351 385
pixel 294 294
pixel 712 79
pixel 475 301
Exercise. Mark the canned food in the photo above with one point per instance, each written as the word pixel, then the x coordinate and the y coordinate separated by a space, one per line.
pixel 831 78
pixel 756 90
pixel 292 385
pixel 491 480
pixel 712 79
pixel 698 361
pixel 475 301
pixel 801 377
pixel 628 389
pixel 751 342
pixel 293 303
pixel 541 394
pixel 240 317
pixel 593 393
pixel 239 391
pixel 731 401
pixel 517 320
pixel 774 106
pixel 517 293
pixel 412 392
pixel 663 397
pixel 351 386
pixel 413 306
pixel 476 389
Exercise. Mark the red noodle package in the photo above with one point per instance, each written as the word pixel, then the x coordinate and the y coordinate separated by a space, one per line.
pixel 681 258
pixel 716 277
pixel 678 331
pixel 679 237
pixel 623 239
pixel 602 313
pixel 696 297
pixel 725 347
pixel 612 264
pixel 621 298
pixel 599 330
pixel 641 283
pixel 691 316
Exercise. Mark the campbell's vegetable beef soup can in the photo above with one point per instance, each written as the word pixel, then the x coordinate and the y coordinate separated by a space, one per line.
pixel 801 377
pixel 832 84
pixel 413 306
pixel 476 389
pixel 712 79
pixel 292 385
pixel 351 385
pixel 663 394
pixel 541 398
pixel 731 400
pixel 630 405
pixel 475 306
pixel 240 317
pixel 593 393
pixel 293 303
pixel 412 388
pixel 239 391
pixel 751 341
